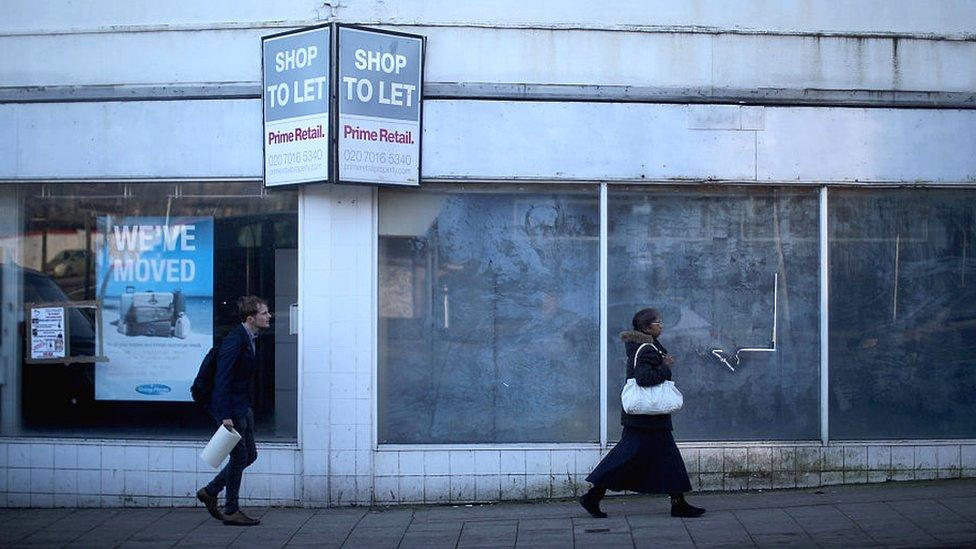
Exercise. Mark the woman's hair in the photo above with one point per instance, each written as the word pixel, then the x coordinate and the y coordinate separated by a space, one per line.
pixel 645 317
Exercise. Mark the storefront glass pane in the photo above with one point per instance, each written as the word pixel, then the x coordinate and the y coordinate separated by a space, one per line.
pixel 709 258
pixel 164 263
pixel 902 313
pixel 489 315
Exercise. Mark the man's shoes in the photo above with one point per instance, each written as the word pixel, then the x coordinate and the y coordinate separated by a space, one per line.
pixel 210 502
pixel 592 505
pixel 683 509
pixel 240 519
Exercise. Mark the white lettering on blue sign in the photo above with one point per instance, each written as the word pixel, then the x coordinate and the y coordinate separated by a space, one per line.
pixel 379 61
pixel 297 58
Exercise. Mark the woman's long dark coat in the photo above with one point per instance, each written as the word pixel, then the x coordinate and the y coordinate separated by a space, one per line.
pixel 646 459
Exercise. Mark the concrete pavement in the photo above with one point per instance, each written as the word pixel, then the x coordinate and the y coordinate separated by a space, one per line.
pixel 911 514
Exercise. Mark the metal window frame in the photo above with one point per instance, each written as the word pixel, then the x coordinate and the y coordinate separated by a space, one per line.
pixel 824 440
pixel 604 312
pixel 824 319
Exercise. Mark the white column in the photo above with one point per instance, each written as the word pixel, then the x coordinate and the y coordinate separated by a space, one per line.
pixel 337 341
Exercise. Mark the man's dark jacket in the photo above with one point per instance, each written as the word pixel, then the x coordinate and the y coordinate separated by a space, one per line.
pixel 232 382
pixel 650 370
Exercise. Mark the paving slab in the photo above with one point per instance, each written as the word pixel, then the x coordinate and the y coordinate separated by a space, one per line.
pixel 911 514
pixel 827 526
pixel 964 506
pixel 768 522
pixel 784 540
pixel 936 520
pixel 719 528
pixel 488 534
pixel 530 525
pixel 425 540
pixel 388 518
pixel 540 538
pixel 311 540
pixel 885 525
pixel 670 535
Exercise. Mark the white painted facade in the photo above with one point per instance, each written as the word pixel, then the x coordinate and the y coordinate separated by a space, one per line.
pixel 215 139
pixel 811 92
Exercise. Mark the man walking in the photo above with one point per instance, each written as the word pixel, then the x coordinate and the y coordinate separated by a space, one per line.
pixel 230 405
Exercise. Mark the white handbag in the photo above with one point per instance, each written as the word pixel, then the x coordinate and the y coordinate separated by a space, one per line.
pixel 662 398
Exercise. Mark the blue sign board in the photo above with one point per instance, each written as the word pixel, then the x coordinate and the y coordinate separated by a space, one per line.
pixel 342 104
pixel 297 95
pixel 155 283
pixel 380 87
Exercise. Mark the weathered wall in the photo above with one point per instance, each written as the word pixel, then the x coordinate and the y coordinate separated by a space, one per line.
pixel 943 18
pixel 803 52
pixel 537 140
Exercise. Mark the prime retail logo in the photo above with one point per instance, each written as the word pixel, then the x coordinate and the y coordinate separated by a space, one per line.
pixel 297 134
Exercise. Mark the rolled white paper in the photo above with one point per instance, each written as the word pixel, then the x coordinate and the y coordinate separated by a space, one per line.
pixel 221 443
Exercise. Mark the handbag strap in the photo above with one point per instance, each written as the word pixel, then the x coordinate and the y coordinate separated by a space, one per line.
pixel 653 346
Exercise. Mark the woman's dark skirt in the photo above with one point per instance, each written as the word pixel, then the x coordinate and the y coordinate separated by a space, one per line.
pixel 643 461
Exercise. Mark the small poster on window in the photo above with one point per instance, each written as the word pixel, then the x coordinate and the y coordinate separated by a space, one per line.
pixel 155 283
pixel 47 339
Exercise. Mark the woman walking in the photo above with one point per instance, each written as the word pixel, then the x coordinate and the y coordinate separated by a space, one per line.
pixel 646 459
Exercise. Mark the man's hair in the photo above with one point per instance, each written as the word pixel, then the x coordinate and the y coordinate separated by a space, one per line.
pixel 645 317
pixel 248 305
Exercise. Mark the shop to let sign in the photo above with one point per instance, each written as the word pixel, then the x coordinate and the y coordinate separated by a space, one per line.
pixel 379 107
pixel 342 104
pixel 296 107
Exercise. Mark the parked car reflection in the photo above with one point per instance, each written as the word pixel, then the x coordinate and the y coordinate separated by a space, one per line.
pixel 40 288
pixel 67 263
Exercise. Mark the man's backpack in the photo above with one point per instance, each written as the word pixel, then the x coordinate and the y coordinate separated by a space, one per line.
pixel 203 384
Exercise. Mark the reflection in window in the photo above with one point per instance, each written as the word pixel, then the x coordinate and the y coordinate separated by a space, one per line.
pixel 707 258
pixel 251 247
pixel 489 315
pixel 902 313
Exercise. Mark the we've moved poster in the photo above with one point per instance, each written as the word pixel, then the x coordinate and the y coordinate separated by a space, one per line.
pixel 155 283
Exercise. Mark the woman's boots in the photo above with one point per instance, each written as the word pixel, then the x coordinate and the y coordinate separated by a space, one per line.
pixel 681 508
pixel 591 501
